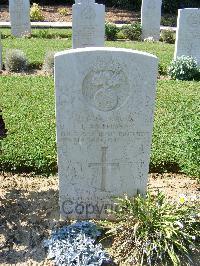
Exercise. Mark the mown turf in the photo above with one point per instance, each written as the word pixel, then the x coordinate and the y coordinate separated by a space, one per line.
pixel 28 109
pixel 57 40
pixel 35 48
pixel 176 139
pixel 162 50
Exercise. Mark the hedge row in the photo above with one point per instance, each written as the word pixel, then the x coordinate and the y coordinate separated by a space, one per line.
pixel 168 6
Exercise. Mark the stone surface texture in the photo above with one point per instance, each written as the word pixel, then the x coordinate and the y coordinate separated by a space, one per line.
pixel 104 111
pixel 188 33
pixel 20 17
pixel 88 24
pixel 151 16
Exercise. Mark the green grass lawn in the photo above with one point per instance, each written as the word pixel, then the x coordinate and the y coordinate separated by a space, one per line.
pixel 163 51
pixel 28 109
pixel 35 48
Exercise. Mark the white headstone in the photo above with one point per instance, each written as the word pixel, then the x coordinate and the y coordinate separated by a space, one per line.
pixel 1 64
pixel 188 33
pixel 151 16
pixel 88 24
pixel 20 17
pixel 104 110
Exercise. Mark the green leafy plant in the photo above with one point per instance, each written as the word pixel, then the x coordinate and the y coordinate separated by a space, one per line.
pixel 184 68
pixel 132 32
pixel 153 231
pixel 63 11
pixel 120 35
pixel 162 69
pixel 36 13
pixel 16 61
pixel 168 36
pixel 48 65
pixel 111 31
pixel 43 34
pixel 168 20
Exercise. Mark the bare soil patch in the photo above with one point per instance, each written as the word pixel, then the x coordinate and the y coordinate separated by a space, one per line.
pixel 52 14
pixel 29 211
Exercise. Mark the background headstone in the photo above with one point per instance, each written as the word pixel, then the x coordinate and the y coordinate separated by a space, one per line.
pixel 88 24
pixel 20 17
pixel 150 17
pixel 188 33
pixel 104 113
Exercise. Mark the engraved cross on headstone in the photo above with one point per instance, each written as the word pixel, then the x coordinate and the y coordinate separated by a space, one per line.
pixel 103 164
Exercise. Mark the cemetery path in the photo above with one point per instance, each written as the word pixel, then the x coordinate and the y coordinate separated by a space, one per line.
pixel 29 210
pixel 53 14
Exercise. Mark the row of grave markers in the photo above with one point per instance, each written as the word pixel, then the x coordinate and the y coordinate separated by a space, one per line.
pixel 88 22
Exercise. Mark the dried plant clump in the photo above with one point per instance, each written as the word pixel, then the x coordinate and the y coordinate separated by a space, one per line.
pixel 16 61
pixel 48 65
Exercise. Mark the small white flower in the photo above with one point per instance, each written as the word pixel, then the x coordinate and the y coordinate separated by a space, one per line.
pixel 179 224
pixel 191 247
pixel 149 39
pixel 193 198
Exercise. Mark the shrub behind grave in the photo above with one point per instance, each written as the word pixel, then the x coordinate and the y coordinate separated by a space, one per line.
pixel 132 32
pixel 111 31
pixel 36 13
pixel 16 61
pixel 184 68
pixel 168 36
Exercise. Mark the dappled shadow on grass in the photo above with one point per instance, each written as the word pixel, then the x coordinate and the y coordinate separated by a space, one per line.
pixel 27 216
pixel 162 167
pixel 165 167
